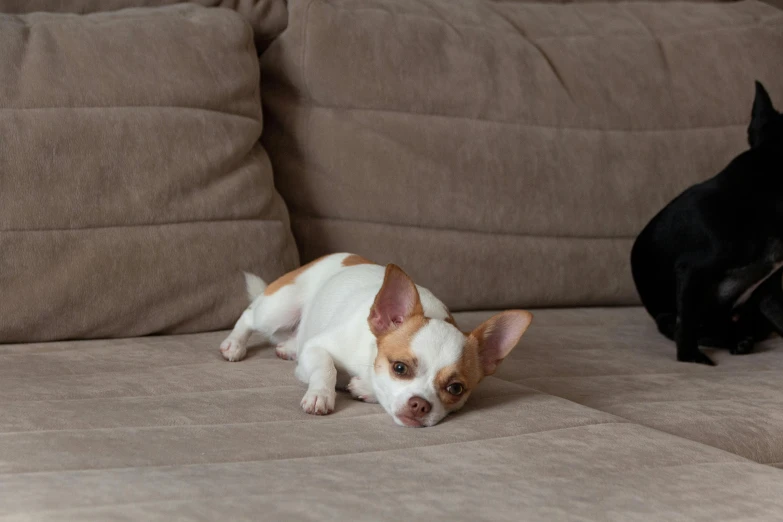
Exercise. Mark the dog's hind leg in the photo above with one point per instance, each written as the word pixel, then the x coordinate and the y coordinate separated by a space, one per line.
pixel 234 347
pixel 689 302
pixel 274 316
pixel 667 324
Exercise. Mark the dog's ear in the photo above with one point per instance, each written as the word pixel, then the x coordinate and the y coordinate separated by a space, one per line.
pixel 396 301
pixel 498 335
pixel 762 114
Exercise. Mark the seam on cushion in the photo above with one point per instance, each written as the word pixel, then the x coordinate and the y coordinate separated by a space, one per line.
pixel 520 123
pixel 775 17
pixel 136 371
pixel 217 423
pixel 656 428
pixel 305 38
pixel 683 401
pixel 740 462
pixel 130 107
pixel 185 11
pixel 521 390
pixel 618 421
pixel 300 217
pixel 140 225
pixel 681 436
pixel 717 371
pixel 120 398
pixel 243 497
pixel 555 70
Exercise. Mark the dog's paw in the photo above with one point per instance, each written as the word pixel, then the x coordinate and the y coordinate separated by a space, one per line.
pixel 361 390
pixel 696 357
pixel 233 350
pixel 318 402
pixel 286 350
pixel 743 347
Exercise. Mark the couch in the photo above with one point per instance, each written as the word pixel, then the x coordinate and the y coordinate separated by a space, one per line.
pixel 504 153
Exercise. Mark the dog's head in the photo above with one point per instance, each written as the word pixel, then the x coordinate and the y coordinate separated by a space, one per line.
pixel 427 368
pixel 766 124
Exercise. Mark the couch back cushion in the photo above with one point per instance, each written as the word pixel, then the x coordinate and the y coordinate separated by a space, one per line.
pixel 268 18
pixel 133 186
pixel 506 153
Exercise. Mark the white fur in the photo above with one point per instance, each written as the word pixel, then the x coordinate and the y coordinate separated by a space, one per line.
pixel 321 320
pixel 436 346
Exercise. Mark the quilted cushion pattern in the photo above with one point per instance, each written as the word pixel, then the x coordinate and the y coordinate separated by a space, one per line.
pixel 133 187
pixel 472 140
pixel 162 428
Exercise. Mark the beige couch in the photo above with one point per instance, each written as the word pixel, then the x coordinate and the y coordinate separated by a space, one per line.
pixel 504 153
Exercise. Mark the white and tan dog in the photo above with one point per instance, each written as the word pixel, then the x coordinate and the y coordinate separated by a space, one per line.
pixel 353 324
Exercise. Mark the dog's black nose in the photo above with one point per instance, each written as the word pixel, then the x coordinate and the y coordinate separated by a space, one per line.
pixel 418 407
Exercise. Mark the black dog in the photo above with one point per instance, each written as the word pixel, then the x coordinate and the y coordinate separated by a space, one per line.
pixel 707 266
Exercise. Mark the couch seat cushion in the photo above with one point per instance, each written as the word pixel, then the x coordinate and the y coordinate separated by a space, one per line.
pixel 162 428
pixel 614 360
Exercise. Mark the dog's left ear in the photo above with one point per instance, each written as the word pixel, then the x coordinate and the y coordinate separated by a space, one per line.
pixel 498 335
pixel 397 300
pixel 763 113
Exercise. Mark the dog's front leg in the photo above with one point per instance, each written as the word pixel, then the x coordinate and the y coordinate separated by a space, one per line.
pixel 771 304
pixel 771 308
pixel 316 367
pixel 689 302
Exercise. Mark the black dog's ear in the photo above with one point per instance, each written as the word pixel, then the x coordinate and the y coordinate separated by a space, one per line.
pixel 763 112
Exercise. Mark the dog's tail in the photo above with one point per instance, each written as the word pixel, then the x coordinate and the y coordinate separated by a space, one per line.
pixel 255 286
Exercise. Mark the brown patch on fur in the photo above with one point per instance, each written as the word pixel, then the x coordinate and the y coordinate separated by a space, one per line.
pixel 467 371
pixel 289 278
pixel 395 346
pixel 355 259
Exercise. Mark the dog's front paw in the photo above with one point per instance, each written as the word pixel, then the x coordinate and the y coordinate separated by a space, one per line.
pixel 233 350
pixel 696 357
pixel 318 402
pixel 361 390
pixel 743 347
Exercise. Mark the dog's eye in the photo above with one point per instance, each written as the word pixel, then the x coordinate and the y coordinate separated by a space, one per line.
pixel 400 368
pixel 455 389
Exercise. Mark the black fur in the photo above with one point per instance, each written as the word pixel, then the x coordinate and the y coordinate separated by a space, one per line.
pixel 712 243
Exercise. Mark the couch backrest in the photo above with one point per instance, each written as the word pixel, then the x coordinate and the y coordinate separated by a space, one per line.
pixel 506 154
pixel 268 18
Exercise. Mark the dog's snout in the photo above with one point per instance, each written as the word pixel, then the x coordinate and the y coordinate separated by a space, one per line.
pixel 419 407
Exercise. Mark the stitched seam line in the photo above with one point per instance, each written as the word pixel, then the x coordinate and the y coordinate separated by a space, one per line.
pixel 766 21
pixel 301 217
pixel 130 107
pixel 312 106
pixel 141 225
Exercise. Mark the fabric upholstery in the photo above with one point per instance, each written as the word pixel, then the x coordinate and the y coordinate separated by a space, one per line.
pixel 614 360
pixel 268 18
pixel 133 187
pixel 471 140
pixel 162 428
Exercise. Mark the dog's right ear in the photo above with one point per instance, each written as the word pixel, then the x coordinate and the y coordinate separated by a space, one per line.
pixel 762 114
pixel 397 300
